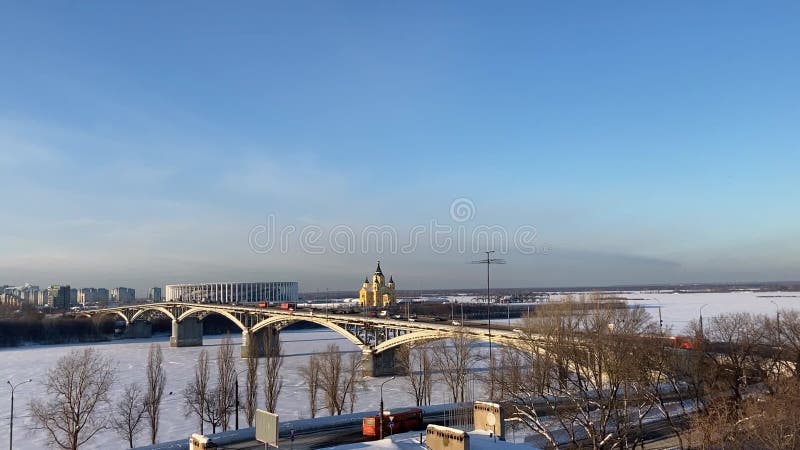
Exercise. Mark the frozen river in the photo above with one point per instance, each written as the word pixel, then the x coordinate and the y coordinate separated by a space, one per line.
pixel 130 357
pixel 678 309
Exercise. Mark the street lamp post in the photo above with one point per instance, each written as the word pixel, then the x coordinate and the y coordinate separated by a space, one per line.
pixel 777 320
pixel 380 433
pixel 702 332
pixel 11 428
pixel 236 386
pixel 660 321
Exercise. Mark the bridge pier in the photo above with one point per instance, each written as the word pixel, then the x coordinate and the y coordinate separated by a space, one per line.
pixel 186 333
pixel 139 329
pixel 381 364
pixel 264 342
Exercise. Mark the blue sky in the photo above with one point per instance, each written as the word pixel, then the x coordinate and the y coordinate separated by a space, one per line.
pixel 142 142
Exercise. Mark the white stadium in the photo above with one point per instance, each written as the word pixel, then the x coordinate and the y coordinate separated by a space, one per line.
pixel 234 292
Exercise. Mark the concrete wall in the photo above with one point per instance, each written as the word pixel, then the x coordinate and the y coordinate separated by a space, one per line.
pixel 381 364
pixel 139 329
pixel 444 438
pixel 264 342
pixel 186 333
pixel 490 417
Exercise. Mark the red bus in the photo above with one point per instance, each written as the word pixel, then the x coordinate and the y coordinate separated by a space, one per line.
pixel 403 420
pixel 289 306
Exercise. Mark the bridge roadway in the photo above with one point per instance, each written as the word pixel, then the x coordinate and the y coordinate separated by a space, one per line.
pixel 377 338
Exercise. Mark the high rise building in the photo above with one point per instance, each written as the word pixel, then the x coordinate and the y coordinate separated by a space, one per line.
pixel 85 295
pixel 31 294
pixel 21 294
pixel 41 298
pixel 73 297
pixel 101 296
pixel 92 296
pixel 58 296
pixel 155 294
pixel 123 295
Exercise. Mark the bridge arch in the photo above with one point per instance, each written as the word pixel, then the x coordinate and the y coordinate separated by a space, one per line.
pixel 318 320
pixel 107 312
pixel 192 311
pixel 143 309
pixel 432 335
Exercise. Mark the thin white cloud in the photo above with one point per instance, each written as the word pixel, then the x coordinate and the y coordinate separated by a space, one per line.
pixel 298 176
pixel 19 152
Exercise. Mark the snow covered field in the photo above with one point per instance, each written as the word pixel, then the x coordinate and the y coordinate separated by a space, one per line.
pixel 678 309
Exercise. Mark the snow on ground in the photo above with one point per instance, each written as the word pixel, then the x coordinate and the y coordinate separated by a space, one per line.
pixel 478 440
pixel 678 309
pixel 130 357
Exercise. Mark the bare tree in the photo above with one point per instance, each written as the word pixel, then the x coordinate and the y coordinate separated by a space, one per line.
pixel 454 359
pixel 339 379
pixel 785 332
pixel 734 347
pixel 772 417
pixel 78 385
pixel 330 373
pixel 352 379
pixel 196 393
pixel 764 420
pixel 595 369
pixel 674 378
pixel 209 406
pixel 509 374
pixel 251 391
pixel 415 362
pixel 226 381
pixel 215 408
pixel 156 380
pixel 310 374
pixel 273 381
pixel 130 411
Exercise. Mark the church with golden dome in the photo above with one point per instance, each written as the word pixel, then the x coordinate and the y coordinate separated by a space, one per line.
pixel 379 293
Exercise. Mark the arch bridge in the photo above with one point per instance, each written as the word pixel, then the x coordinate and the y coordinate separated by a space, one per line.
pixel 377 338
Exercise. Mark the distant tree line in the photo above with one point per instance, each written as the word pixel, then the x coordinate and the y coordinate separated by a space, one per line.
pixel 59 330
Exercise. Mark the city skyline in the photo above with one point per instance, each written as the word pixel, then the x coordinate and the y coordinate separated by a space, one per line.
pixel 142 144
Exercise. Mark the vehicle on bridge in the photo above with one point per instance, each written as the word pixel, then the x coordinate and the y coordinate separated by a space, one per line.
pixel 403 420
pixel 289 306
